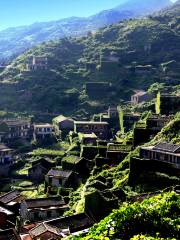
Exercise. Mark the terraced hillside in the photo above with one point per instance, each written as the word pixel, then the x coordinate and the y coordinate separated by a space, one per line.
pixel 129 55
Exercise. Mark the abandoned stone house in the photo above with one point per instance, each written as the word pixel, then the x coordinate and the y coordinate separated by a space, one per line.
pixel 37 63
pixel 145 131
pixel 68 224
pixel 62 126
pixel 111 116
pixel 163 151
pixel 113 112
pixel 10 197
pixel 6 160
pixel 129 119
pixel 43 208
pixel 101 129
pixel 61 178
pixel 86 139
pixel 74 223
pixel 42 131
pixel 156 122
pixel 117 152
pixel 140 96
pixel 13 129
pixel 39 169
pixel 44 231
pixel 75 164
pixel 169 104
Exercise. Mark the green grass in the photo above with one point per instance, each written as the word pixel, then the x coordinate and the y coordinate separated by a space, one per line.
pixel 41 151
pixel 36 193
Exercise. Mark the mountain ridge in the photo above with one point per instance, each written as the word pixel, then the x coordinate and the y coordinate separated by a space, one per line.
pixel 16 40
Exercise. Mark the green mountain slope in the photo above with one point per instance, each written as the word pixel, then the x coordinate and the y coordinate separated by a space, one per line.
pixel 148 52
pixel 14 41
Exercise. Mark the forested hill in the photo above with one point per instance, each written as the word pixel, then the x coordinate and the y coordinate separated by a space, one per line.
pixel 14 41
pixel 147 50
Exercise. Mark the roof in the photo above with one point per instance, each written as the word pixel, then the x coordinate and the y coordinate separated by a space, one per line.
pixel 72 159
pixel 168 95
pixel 44 202
pixel 90 135
pixel 9 197
pixel 62 118
pixel 25 237
pixel 159 118
pixel 16 121
pixel 43 163
pixel 6 211
pixel 43 125
pixel 9 234
pixel 113 108
pixel 118 148
pixel 4 148
pixel 40 57
pixel 91 123
pixel 140 93
pixel 59 173
pixel 75 222
pixel 168 147
pixel 43 228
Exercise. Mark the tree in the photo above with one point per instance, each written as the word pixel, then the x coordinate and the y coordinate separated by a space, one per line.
pixel 158 103
pixel 121 121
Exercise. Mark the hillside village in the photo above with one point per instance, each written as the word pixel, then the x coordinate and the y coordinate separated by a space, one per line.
pixel 99 159
pixel 38 185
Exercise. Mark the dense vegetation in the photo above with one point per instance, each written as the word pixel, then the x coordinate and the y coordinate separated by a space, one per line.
pixel 116 178
pixel 157 217
pixel 145 57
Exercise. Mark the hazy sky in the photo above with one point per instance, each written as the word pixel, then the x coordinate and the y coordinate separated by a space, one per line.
pixel 24 12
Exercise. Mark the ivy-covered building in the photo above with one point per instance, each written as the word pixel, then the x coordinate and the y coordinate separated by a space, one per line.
pixel 169 104
pixel 163 151
pixel 62 126
pixel 101 129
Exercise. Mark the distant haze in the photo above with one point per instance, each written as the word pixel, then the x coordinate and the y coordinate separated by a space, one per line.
pixel 23 12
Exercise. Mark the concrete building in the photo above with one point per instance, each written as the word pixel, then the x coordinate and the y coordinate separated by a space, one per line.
pixel 113 112
pixel 164 152
pixel 61 178
pixel 87 138
pixel 44 231
pixel 37 63
pixel 169 104
pixel 140 96
pixel 6 160
pixel 62 125
pixel 13 129
pixel 117 152
pixel 41 209
pixel 39 169
pixel 101 129
pixel 42 131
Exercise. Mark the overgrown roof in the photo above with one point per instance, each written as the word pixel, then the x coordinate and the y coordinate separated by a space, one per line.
pixel 168 147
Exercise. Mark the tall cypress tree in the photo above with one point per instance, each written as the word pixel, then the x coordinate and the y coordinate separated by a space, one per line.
pixel 158 103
